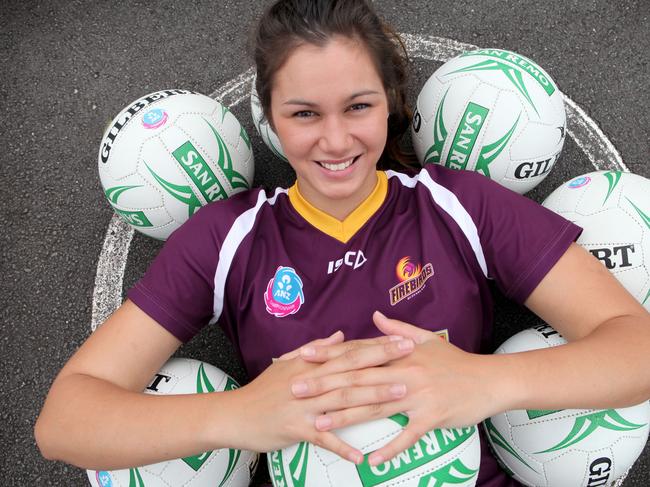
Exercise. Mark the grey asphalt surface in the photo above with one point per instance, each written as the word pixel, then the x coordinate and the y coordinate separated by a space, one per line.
pixel 68 67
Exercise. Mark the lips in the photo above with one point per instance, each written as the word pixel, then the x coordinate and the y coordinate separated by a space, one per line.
pixel 338 165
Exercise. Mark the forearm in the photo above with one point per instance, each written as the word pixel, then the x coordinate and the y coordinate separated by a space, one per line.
pixel 606 369
pixel 94 424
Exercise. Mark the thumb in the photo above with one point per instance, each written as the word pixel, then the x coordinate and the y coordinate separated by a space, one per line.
pixel 390 326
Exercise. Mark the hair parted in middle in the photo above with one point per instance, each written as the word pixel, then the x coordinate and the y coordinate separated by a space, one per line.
pixel 287 24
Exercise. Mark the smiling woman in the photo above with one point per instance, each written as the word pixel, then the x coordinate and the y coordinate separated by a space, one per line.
pixel 268 267
pixel 333 134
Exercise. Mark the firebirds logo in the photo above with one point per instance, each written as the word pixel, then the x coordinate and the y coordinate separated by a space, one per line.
pixel 284 296
pixel 413 278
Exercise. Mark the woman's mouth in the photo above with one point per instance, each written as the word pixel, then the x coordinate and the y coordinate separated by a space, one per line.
pixel 339 165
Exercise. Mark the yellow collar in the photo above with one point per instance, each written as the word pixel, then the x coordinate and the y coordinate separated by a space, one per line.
pixel 341 230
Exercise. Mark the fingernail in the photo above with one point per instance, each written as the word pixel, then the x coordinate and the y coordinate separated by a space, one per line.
pixel 375 459
pixel 355 458
pixel 398 390
pixel 299 388
pixel 336 334
pixel 395 338
pixel 405 345
pixel 323 422
pixel 307 351
pixel 380 314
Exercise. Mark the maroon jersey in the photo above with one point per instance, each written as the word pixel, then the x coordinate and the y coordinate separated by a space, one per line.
pixel 275 272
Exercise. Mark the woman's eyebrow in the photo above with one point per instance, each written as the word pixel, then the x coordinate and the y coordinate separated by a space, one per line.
pixel 298 101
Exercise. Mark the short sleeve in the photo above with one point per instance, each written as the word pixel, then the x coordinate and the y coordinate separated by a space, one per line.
pixel 177 289
pixel 520 239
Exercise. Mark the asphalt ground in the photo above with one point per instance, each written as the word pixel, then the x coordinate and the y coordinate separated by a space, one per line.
pixel 67 67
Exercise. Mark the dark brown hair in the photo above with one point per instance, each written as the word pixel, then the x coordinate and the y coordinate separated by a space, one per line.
pixel 289 23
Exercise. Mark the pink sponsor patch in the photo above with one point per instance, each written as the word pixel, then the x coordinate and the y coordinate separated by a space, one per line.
pixel 284 295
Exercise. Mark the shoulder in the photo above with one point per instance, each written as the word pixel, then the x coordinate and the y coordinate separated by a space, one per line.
pixel 469 187
pixel 470 196
pixel 216 219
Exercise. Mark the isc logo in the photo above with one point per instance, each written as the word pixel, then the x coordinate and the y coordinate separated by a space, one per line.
pixel 351 259
pixel 614 257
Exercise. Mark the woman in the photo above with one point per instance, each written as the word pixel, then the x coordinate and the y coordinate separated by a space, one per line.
pixel 334 255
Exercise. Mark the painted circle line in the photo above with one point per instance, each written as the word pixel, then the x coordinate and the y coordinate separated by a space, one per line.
pixel 107 294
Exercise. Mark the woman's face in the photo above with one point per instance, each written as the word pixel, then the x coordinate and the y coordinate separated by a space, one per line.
pixel 330 111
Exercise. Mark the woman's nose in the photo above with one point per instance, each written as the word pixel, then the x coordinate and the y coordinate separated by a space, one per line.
pixel 335 139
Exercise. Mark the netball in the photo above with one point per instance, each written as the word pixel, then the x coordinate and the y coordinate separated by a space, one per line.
pixel 613 208
pixel 441 456
pixel 566 447
pixel 169 153
pixel 226 467
pixel 491 111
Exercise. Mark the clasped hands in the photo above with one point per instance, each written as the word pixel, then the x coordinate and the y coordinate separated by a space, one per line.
pixel 330 383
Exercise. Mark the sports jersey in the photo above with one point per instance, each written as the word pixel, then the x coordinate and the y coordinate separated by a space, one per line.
pixel 276 272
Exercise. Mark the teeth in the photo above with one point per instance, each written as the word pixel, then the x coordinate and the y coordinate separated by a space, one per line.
pixel 338 167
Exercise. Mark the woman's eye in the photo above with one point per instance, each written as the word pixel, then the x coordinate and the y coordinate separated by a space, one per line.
pixel 304 114
pixel 359 106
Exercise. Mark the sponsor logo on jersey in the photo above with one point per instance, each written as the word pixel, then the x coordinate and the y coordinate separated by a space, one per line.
pixel 412 277
pixel 579 182
pixel 351 259
pixel 154 118
pixel 284 295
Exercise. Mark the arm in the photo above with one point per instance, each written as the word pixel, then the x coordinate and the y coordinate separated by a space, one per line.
pixel 95 415
pixel 604 363
pixel 602 366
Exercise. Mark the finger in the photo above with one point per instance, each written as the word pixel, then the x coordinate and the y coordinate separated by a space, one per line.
pixel 334 338
pixel 353 397
pixel 346 417
pixel 320 353
pixel 316 386
pixel 364 357
pixel 333 443
pixel 404 440
pixel 389 326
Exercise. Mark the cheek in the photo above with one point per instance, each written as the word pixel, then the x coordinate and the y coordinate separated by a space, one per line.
pixel 374 132
pixel 296 140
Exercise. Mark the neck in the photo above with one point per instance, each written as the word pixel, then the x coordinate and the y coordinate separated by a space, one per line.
pixel 339 208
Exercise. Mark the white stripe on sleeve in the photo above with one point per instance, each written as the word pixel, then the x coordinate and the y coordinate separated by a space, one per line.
pixel 240 228
pixel 450 204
